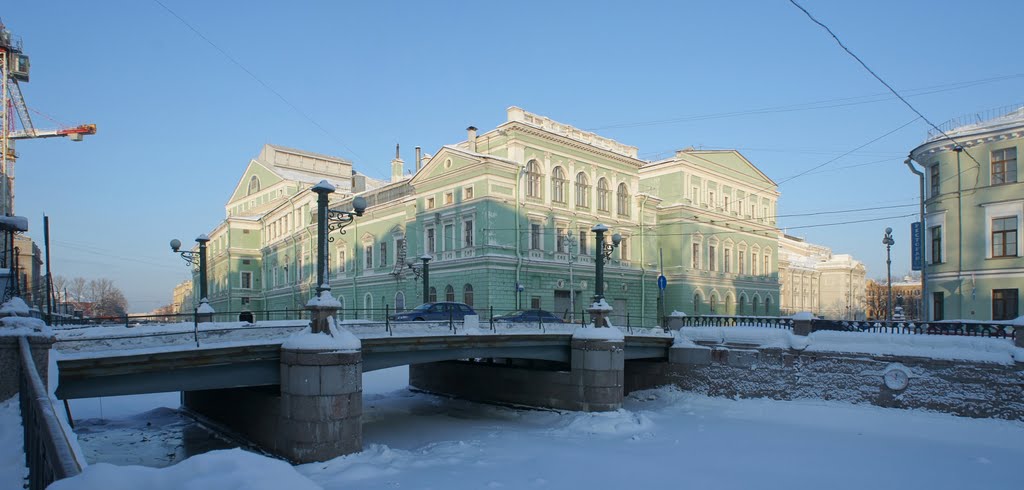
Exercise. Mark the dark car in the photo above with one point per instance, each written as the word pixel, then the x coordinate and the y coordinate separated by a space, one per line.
pixel 435 311
pixel 529 316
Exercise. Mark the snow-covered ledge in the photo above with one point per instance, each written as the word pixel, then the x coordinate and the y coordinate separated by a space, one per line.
pixel 599 311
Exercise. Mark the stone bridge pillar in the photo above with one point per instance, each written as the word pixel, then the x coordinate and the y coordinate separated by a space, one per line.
pixel 598 364
pixel 321 397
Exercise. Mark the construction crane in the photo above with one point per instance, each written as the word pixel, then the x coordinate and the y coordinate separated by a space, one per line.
pixel 14 69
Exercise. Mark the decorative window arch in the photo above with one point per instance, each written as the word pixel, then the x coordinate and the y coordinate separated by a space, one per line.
pixel 533 179
pixel 399 301
pixel 714 303
pixel 582 190
pixel 368 306
pixel 728 304
pixel 432 295
pixel 697 300
pixel 558 184
pixel 603 195
pixel 741 305
pixel 754 305
pixel 254 185
pixel 449 293
pixel 768 305
pixel 622 197
pixel 467 295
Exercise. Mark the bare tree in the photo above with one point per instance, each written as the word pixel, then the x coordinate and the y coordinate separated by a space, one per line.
pixel 106 298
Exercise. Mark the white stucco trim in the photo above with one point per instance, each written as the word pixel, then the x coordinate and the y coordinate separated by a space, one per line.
pixel 931 221
pixel 1004 209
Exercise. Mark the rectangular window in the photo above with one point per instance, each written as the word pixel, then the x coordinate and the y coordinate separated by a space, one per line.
pixel 246 279
pixel 535 302
pixel 467 233
pixel 753 264
pixel 535 236
pixel 1004 304
pixel 431 241
pixel 712 262
pixel 368 250
pixel 340 267
pixel 725 203
pixel 753 210
pixel 695 257
pixel 764 212
pixel 560 240
pixel 430 203
pixel 1004 166
pixel 767 265
pixel 938 307
pixel 583 243
pixel 742 262
pixel 449 237
pixel 936 236
pixel 934 180
pixel 1004 237
pixel 711 198
pixel 695 195
pixel 383 254
pixel 624 248
pixel 449 197
pixel 727 266
pixel 467 193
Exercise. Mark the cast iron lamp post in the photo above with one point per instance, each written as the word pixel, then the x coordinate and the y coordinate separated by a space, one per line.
pixel 422 272
pixel 888 241
pixel 190 259
pixel 328 220
pixel 603 254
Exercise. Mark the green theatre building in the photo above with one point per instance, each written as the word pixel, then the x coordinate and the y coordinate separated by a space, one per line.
pixel 506 218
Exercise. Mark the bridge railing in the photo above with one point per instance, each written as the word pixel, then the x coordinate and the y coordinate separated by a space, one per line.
pixel 995 329
pixel 48 452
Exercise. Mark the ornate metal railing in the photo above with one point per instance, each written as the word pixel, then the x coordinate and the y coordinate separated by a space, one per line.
pixel 945 327
pixel 48 452
pixel 733 321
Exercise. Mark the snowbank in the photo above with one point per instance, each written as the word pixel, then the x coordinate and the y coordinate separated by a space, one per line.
pixel 340 339
pixel 591 333
pixel 324 300
pixel 230 469
pixel 15 306
pixel 22 325
pixel 12 454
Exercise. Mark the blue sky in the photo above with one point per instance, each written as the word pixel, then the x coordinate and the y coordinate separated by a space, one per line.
pixel 178 121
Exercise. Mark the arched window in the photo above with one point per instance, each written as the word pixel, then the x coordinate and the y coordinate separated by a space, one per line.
pixel 768 306
pixel 467 295
pixel 449 293
pixel 533 177
pixel 432 295
pixel 622 196
pixel 399 301
pixel 696 303
pixel 728 304
pixel 754 306
pixel 254 185
pixel 714 304
pixel 603 195
pixel 582 190
pixel 368 306
pixel 557 185
pixel 741 306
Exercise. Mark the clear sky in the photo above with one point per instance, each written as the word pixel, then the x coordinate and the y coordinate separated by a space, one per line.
pixel 179 121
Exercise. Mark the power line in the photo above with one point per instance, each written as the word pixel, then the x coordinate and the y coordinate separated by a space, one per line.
pixel 258 80
pixel 807 106
pixel 883 82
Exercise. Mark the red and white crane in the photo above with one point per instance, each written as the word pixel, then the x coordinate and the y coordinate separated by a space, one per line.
pixel 14 68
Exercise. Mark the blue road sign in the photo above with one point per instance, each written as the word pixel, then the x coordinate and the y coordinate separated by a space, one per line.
pixel 916 253
pixel 662 282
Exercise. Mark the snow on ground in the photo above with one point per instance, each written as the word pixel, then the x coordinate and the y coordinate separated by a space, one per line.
pixel 12 453
pixel 662 438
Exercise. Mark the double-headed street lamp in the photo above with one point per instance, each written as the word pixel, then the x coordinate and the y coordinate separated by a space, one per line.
pixel 191 258
pixel 888 241
pixel 422 272
pixel 328 220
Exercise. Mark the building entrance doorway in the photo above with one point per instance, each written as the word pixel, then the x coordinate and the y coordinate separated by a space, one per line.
pixel 564 308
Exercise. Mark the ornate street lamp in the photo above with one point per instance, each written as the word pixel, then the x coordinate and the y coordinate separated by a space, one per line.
pixel 888 241
pixel 423 272
pixel 602 255
pixel 328 220
pixel 191 259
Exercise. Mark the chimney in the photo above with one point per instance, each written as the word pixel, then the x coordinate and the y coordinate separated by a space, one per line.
pixel 396 165
pixel 471 138
pixel 419 159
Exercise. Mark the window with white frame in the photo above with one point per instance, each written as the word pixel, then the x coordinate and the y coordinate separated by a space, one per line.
pixel 742 262
pixel 449 197
pixel 1004 166
pixel 624 248
pixel 603 195
pixel 430 240
pixel 430 203
pixel 933 178
pixel 340 265
pixel 583 242
pixel 467 193
pixel 245 279
pixel 582 191
pixel 695 256
pixel 622 196
pixel 727 260
pixel 448 238
pixel 467 233
pixel 1004 237
pixel 535 236
pixel 533 179
pixel 560 239
pixel 383 254
pixel 712 257
pixel 558 183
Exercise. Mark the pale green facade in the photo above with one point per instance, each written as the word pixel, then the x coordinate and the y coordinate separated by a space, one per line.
pixel 974 211
pixel 496 211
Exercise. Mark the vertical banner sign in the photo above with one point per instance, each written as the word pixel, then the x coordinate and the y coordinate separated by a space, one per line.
pixel 916 253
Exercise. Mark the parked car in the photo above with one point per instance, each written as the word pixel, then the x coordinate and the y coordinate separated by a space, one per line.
pixel 529 316
pixel 435 311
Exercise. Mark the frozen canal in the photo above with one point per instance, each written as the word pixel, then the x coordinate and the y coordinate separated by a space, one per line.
pixel 662 439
